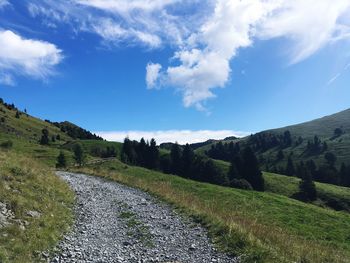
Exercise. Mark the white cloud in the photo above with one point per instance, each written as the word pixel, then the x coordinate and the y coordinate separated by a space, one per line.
pixel 7 79
pixel 180 136
pixel 152 74
pixel 205 35
pixel 204 64
pixel 33 58
pixel 111 31
pixel 309 24
pixel 126 6
pixel 4 3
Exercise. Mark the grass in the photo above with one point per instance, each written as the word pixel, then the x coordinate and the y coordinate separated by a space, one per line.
pixel 333 196
pixel 27 185
pixel 264 227
pixel 322 127
pixel 136 228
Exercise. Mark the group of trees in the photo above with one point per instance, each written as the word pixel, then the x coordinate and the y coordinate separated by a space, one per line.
pixel 316 146
pixel 75 131
pixel 223 151
pixel 103 152
pixel 145 154
pixel 79 157
pixel 265 140
pixel 182 161
pixel 45 139
pixel 326 172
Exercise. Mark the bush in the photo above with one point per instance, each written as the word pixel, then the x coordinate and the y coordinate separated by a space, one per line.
pixel 241 184
pixel 7 144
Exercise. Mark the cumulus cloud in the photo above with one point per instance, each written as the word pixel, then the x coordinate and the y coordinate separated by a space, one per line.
pixel 206 35
pixel 310 25
pixel 180 136
pixel 33 58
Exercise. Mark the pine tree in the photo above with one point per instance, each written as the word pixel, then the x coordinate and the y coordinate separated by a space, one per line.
pixel 187 161
pixel 153 160
pixel 290 170
pixel 79 154
pixel 252 171
pixel 44 137
pixel 307 188
pixel 17 114
pixel 175 157
pixel 280 156
pixel 61 161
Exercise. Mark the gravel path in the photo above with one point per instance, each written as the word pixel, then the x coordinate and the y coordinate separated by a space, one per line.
pixel 115 223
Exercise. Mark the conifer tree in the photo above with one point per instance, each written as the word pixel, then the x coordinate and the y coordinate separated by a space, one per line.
pixel 61 161
pixel 79 154
pixel 44 137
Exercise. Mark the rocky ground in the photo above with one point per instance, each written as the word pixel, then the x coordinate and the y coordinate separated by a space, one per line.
pixel 115 223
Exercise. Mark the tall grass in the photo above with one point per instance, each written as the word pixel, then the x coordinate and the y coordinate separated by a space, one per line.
pixel 26 185
pixel 263 227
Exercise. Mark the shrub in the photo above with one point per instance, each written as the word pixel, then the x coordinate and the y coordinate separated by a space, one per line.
pixel 7 144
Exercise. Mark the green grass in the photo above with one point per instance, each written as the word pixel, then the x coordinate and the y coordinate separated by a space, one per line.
pixel 27 185
pixel 332 196
pixel 322 127
pixel 27 126
pixel 336 197
pixel 265 227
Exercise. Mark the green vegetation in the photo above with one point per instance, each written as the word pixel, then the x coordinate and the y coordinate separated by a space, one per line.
pixel 26 185
pixel 136 228
pixel 265 227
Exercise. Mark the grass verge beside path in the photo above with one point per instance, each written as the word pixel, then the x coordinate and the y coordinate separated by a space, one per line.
pixel 40 204
pixel 264 227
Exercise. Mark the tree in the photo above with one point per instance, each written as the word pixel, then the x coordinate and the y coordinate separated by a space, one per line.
pixel 79 154
pixel 280 156
pixel 330 158
pixel 153 155
pixel 345 175
pixel 290 170
pixel 17 114
pixel 251 170
pixel 307 188
pixel 53 138
pixel 338 132
pixel 44 137
pixel 128 154
pixel 61 161
pixel 187 161
pixel 175 157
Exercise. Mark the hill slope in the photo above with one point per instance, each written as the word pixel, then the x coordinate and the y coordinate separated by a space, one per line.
pixel 301 143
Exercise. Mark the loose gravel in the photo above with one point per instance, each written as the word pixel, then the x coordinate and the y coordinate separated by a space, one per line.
pixel 116 223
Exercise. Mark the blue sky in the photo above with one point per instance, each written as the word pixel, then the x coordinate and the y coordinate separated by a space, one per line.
pixel 176 70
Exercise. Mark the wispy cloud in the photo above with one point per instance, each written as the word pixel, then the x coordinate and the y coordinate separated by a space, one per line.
pixel 28 57
pixel 7 79
pixel 180 136
pixel 336 76
pixel 206 38
pixel 4 3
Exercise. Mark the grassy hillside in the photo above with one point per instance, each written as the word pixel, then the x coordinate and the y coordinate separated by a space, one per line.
pixel 332 196
pixel 27 186
pixel 26 126
pixel 265 227
pixel 301 134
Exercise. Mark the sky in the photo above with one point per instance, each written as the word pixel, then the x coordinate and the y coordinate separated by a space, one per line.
pixel 176 70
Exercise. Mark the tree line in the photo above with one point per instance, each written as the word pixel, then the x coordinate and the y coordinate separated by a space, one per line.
pixel 183 161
